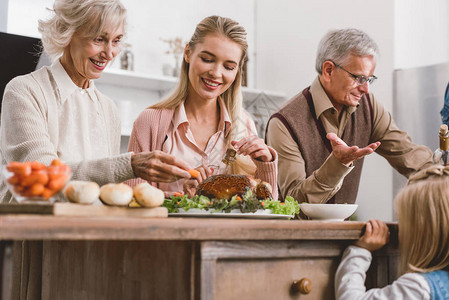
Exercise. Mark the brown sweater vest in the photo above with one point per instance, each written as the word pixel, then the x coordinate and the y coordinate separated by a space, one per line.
pixel 299 118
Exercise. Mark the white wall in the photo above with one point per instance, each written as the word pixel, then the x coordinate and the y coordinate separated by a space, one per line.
pixel 3 15
pixel 421 30
pixel 24 14
pixel 172 18
pixel 288 33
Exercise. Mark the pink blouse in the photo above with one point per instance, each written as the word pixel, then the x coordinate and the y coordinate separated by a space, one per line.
pixel 181 143
pixel 168 130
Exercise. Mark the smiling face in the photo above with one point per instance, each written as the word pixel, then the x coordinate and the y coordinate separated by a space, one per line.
pixel 341 88
pixel 213 66
pixel 86 57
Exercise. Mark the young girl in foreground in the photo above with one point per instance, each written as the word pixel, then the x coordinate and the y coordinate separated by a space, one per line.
pixel 423 212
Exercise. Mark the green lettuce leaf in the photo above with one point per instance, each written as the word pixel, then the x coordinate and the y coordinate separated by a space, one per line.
pixel 247 203
pixel 289 207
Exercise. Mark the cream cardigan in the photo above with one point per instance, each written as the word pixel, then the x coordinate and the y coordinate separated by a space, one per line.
pixel 29 129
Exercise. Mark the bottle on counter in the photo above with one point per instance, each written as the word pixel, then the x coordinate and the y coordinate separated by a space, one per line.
pixel 127 58
pixel 440 156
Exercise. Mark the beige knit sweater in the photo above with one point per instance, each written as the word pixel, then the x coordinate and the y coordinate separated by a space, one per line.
pixel 30 123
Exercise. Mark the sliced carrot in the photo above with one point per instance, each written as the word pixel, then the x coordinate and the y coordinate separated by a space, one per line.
pixel 18 168
pixel 41 177
pixel 14 180
pixel 178 194
pixel 35 165
pixel 47 193
pixel 12 165
pixel 56 162
pixel 36 189
pixel 27 180
pixel 239 198
pixel 194 173
pixel 35 177
pixel 57 183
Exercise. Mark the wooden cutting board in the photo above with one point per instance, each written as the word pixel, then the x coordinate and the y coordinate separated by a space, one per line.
pixel 72 209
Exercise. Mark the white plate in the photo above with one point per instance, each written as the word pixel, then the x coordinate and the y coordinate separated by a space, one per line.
pixel 259 214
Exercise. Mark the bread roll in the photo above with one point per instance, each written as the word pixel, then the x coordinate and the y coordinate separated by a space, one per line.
pixel 83 192
pixel 118 194
pixel 148 195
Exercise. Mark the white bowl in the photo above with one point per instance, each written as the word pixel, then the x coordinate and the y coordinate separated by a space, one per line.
pixel 328 212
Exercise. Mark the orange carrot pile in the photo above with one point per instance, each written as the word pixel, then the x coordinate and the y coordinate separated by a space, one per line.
pixel 34 179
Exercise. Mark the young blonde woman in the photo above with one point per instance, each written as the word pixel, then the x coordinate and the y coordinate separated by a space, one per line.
pixel 204 115
pixel 423 212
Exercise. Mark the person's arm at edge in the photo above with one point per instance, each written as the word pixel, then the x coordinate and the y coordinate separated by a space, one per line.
pixel 396 145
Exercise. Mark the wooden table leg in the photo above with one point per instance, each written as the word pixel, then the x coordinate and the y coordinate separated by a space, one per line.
pixel 6 261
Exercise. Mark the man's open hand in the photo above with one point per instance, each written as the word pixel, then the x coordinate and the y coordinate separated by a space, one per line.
pixel 346 154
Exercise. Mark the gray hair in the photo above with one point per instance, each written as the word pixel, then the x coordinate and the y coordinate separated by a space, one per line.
pixel 337 45
pixel 72 15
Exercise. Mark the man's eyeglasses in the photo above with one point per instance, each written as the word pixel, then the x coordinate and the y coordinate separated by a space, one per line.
pixel 360 79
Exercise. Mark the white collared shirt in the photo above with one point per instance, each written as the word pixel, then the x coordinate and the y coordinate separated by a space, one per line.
pixel 82 125
pixel 181 143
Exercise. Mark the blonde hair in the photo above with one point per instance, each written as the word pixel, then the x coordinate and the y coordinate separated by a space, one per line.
pixel 423 211
pixel 72 15
pixel 232 97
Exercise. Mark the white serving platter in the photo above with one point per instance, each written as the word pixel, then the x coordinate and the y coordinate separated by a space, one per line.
pixel 201 213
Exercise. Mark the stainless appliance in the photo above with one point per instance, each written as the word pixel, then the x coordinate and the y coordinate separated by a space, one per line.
pixel 418 97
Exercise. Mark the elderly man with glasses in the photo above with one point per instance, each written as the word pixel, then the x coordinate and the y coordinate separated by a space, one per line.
pixel 324 132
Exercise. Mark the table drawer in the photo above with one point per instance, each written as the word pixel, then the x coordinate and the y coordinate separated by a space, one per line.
pixel 274 278
pixel 268 269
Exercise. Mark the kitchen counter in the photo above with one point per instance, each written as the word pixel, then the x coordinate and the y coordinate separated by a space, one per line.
pixel 180 258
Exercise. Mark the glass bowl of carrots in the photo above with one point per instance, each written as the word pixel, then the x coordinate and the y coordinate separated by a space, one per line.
pixel 32 181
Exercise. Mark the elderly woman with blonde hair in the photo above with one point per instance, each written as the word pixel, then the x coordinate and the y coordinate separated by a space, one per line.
pixel 57 112
pixel 204 115
pixel 423 213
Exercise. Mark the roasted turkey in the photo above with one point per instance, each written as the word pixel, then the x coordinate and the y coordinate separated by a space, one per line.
pixel 226 186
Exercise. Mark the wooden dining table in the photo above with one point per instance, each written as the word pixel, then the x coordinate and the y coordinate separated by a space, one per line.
pixel 65 257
